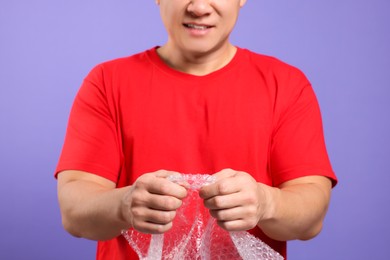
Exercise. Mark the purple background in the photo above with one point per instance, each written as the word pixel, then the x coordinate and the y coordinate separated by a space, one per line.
pixel 47 47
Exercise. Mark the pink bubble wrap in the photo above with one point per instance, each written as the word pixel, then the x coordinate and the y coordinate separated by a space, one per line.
pixel 196 235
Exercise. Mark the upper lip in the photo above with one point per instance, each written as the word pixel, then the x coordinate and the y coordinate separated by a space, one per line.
pixel 198 24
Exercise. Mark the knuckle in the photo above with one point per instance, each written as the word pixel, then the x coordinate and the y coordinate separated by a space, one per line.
pixel 223 224
pixel 252 211
pixel 251 223
pixel 136 195
pixel 168 203
pixel 136 212
pixel 220 215
pixel 139 185
pixel 219 202
pixel 138 225
pixel 164 188
pixel 249 198
pixel 165 217
pixel 223 187
pixel 159 229
pixel 228 170
pixel 138 199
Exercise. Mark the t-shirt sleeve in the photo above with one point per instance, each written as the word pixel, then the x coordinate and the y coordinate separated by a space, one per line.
pixel 298 146
pixel 91 141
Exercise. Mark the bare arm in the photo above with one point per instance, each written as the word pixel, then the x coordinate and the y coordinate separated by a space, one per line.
pixel 92 207
pixel 295 210
pixel 299 208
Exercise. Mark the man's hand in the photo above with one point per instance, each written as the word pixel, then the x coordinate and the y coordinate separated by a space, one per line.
pixel 92 207
pixel 294 210
pixel 236 200
pixel 151 202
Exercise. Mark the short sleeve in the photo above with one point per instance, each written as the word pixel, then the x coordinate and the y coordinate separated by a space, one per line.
pixel 298 146
pixel 91 142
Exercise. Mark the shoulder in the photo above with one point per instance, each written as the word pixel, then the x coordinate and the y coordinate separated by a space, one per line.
pixel 285 82
pixel 112 75
pixel 128 66
pixel 272 66
pixel 124 63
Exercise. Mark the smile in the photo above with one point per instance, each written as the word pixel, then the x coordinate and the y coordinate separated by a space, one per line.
pixel 197 27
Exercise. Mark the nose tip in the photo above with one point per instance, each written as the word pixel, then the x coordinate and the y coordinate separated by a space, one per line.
pixel 199 7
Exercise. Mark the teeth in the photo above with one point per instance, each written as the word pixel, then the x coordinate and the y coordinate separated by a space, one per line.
pixel 198 27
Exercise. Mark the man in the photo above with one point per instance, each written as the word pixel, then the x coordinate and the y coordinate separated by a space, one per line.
pixel 197 104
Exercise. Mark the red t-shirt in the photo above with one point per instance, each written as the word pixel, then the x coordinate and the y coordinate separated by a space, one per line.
pixel 136 115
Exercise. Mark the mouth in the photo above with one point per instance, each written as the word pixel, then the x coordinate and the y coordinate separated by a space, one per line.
pixel 197 26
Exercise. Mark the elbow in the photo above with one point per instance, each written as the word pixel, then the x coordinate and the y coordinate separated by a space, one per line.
pixel 79 228
pixel 71 229
pixel 311 233
pixel 70 221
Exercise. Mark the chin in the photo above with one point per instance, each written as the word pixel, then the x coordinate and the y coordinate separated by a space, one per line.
pixel 200 49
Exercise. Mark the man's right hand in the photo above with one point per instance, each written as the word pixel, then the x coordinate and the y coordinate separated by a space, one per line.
pixel 151 202
pixel 93 208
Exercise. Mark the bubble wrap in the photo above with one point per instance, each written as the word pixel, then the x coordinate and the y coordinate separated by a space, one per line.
pixel 196 235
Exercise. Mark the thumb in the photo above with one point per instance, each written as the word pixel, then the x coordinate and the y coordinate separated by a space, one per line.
pixel 225 173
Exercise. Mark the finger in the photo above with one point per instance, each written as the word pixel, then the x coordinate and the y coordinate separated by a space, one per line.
pixel 234 225
pixel 152 221
pixel 223 186
pixel 152 228
pixel 164 173
pixel 228 214
pixel 151 215
pixel 163 186
pixel 143 198
pixel 224 201
pixel 159 217
pixel 225 173
pixel 166 203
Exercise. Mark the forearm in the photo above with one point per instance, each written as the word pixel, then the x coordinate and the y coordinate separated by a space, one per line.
pixel 91 211
pixel 297 211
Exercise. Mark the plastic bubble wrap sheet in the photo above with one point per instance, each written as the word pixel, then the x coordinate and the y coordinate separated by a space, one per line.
pixel 196 235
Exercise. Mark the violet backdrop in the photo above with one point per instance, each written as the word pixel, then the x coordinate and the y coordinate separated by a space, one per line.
pixel 48 47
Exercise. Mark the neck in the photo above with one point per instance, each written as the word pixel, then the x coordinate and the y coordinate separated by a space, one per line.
pixel 198 64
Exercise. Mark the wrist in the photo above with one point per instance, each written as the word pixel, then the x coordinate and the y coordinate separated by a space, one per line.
pixel 269 201
pixel 123 210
